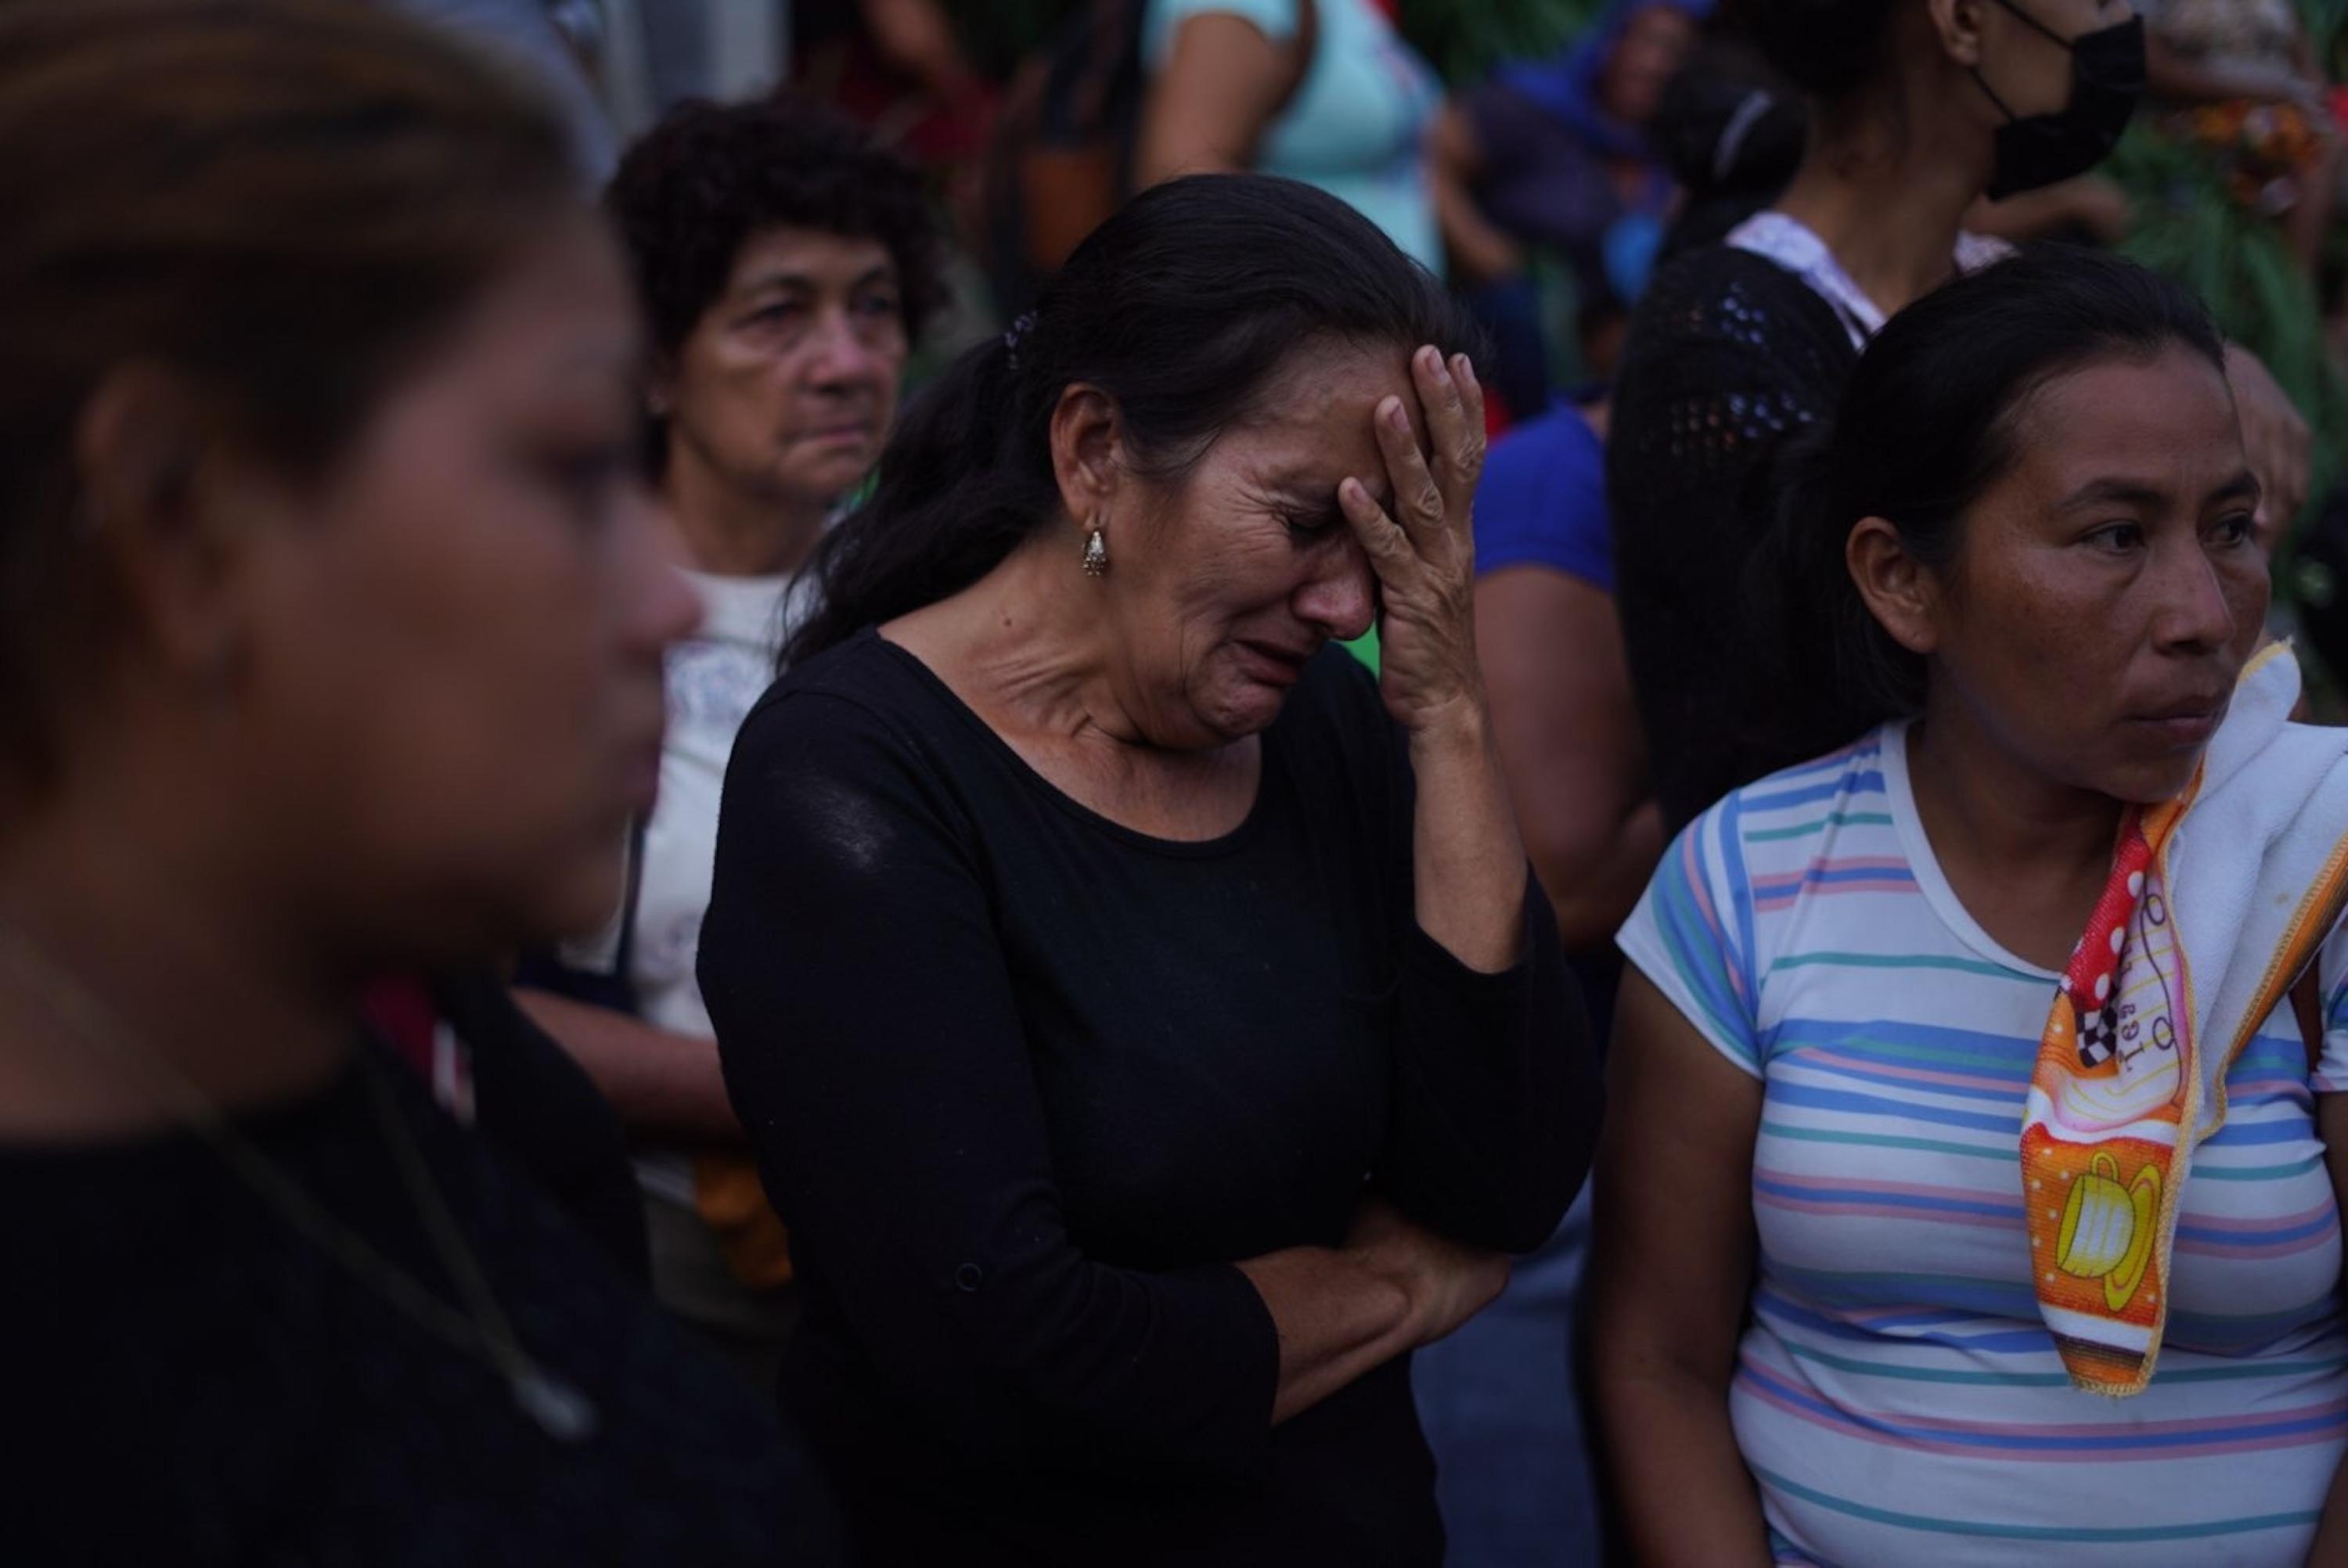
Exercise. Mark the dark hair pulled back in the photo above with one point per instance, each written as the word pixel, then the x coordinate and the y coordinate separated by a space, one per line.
pixel 1828 48
pixel 1180 308
pixel 1930 421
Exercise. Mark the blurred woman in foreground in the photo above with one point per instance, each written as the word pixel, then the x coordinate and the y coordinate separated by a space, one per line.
pixel 331 619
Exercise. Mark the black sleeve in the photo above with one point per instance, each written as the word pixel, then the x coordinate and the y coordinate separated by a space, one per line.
pixel 533 1100
pixel 1495 1097
pixel 872 1043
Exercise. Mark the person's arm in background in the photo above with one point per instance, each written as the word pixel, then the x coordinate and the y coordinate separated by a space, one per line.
pixel 2092 203
pixel 1481 251
pixel 917 37
pixel 1223 81
pixel 1571 747
pixel 1669 1282
pixel 2172 75
pixel 663 1084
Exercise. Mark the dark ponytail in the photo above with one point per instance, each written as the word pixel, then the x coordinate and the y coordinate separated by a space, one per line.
pixel 1180 308
pixel 955 495
pixel 1830 49
pixel 1931 418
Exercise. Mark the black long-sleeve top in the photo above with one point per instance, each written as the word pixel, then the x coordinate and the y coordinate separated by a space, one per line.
pixel 191 1380
pixel 1026 1084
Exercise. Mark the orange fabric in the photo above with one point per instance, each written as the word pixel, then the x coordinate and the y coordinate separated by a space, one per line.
pixel 2105 1139
pixel 2116 1104
pixel 749 1233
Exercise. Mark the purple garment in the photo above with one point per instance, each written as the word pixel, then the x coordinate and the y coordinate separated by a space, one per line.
pixel 1567 85
pixel 1546 145
pixel 1543 181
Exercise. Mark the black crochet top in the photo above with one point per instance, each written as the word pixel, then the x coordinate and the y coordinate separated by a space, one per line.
pixel 1729 356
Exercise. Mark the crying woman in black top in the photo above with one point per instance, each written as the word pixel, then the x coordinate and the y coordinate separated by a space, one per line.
pixel 1140 1011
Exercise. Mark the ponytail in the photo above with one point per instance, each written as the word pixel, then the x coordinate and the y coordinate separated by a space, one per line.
pixel 966 477
pixel 1825 670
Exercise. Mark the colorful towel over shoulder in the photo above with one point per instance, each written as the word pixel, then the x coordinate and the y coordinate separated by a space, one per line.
pixel 2107 1123
pixel 2217 902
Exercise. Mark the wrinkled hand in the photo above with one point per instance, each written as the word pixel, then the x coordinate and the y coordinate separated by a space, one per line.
pixel 2275 439
pixel 1447 1283
pixel 1425 561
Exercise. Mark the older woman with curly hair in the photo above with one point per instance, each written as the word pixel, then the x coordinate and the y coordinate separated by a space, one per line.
pixel 785 265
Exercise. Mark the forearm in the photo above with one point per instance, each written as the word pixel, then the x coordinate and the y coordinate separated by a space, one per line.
pixel 1686 1499
pixel 1223 82
pixel 2026 215
pixel 2178 77
pixel 916 37
pixel 1481 252
pixel 1468 860
pixel 1337 1318
pixel 663 1084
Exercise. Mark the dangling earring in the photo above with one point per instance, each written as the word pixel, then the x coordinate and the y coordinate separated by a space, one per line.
pixel 1096 553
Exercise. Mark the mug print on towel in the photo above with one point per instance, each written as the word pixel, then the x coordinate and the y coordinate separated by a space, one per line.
pixel 2102 1156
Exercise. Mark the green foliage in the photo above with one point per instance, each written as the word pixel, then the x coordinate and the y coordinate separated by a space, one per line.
pixel 2326 21
pixel 2189 228
pixel 1466 38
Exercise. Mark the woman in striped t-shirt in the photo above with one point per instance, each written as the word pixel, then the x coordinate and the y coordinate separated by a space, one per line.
pixel 1820 1336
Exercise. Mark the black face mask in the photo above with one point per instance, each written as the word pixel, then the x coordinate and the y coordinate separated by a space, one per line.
pixel 2106 81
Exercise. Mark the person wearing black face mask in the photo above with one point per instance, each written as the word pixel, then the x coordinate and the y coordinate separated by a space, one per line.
pixel 2107 76
pixel 1917 111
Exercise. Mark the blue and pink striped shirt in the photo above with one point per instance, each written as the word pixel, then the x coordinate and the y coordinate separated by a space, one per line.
pixel 1897 1397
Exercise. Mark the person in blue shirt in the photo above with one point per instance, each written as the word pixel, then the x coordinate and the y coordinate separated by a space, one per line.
pixel 1552 654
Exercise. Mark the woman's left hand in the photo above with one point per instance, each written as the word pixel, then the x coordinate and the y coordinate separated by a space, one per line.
pixel 1425 561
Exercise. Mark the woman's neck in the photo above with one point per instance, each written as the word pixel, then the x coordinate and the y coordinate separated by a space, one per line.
pixel 1883 192
pixel 2026 854
pixel 123 967
pixel 728 532
pixel 1029 649
pixel 1023 646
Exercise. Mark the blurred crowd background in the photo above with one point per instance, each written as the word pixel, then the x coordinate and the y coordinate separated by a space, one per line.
pixel 1544 157
pixel 1545 160
pixel 1540 154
